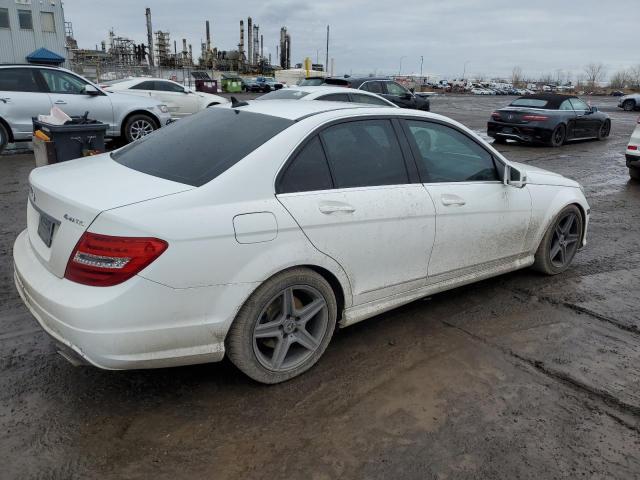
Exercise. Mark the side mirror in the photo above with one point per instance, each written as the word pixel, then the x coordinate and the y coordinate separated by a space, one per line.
pixel 513 177
pixel 412 90
pixel 91 90
pixel 594 109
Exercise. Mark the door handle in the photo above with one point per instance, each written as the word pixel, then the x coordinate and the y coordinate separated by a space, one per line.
pixel 335 207
pixel 60 102
pixel 452 200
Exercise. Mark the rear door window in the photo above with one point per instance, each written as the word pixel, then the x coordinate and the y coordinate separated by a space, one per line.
pixel 335 97
pixel 200 147
pixel 63 82
pixel 447 155
pixel 168 87
pixel 146 85
pixel 373 87
pixel 364 153
pixel 308 171
pixel 369 99
pixel 18 80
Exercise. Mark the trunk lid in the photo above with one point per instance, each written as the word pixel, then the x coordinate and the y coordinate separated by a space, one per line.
pixel 64 199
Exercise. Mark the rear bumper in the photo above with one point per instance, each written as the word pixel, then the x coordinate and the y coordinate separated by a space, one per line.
pixel 522 133
pixel 137 324
pixel 633 161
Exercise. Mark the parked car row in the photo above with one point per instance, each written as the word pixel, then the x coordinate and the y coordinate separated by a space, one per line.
pixel 27 91
pixel 386 88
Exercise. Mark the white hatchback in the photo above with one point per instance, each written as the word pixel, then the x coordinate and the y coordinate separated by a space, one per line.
pixel 255 230
pixel 180 100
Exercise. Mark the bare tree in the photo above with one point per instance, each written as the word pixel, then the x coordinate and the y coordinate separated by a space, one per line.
pixel 620 79
pixel 595 73
pixel 546 79
pixel 634 77
pixel 516 76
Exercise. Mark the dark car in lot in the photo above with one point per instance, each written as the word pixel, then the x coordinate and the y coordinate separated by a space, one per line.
pixel 548 118
pixel 385 87
pixel 262 84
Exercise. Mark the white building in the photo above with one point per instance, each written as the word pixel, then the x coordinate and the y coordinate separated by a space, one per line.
pixel 29 25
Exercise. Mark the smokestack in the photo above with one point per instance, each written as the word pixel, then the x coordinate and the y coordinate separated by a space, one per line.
pixel 149 36
pixel 190 54
pixel 256 43
pixel 208 37
pixel 288 51
pixel 261 47
pixel 241 44
pixel 283 47
pixel 250 40
pixel 326 59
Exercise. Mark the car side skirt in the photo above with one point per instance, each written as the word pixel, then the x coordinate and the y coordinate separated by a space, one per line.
pixel 358 313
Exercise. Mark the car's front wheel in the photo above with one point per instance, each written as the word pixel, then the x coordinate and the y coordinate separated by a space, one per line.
pixel 138 126
pixel 629 105
pixel 4 137
pixel 560 242
pixel 284 327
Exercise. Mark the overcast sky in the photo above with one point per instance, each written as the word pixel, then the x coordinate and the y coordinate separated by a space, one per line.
pixel 542 36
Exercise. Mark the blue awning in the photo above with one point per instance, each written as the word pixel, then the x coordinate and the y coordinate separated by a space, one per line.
pixel 42 55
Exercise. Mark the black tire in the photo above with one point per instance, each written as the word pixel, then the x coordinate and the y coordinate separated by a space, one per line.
pixel 604 130
pixel 500 140
pixel 253 355
pixel 629 105
pixel 558 136
pixel 4 137
pixel 546 261
pixel 136 122
pixel 634 172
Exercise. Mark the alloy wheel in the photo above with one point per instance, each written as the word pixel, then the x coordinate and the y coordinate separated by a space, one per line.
pixel 558 136
pixel 140 128
pixel 564 241
pixel 605 129
pixel 290 328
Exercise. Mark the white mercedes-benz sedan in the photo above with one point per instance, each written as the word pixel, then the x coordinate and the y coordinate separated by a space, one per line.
pixel 254 231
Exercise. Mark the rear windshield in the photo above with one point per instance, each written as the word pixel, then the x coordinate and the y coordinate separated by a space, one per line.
pixel 284 94
pixel 529 102
pixel 198 148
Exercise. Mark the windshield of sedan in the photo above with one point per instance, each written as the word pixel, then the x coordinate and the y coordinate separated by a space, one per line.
pixel 197 149
pixel 282 94
pixel 529 102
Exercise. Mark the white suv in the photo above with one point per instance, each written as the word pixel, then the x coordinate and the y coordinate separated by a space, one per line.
pixel 28 90
pixel 633 153
pixel 629 103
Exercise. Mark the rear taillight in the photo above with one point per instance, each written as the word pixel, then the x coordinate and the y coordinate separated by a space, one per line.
pixel 632 147
pixel 534 118
pixel 103 260
pixel 496 115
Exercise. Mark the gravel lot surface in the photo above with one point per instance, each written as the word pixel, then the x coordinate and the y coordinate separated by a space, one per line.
pixel 520 376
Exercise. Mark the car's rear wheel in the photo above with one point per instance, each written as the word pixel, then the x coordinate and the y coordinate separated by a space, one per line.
pixel 560 243
pixel 558 136
pixel 634 172
pixel 605 130
pixel 284 327
pixel 4 137
pixel 629 105
pixel 500 140
pixel 138 126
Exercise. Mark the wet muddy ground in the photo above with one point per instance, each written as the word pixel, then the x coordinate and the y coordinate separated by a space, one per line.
pixel 521 376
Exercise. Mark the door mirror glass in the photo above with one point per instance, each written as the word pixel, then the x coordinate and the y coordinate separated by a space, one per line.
pixel 91 90
pixel 594 109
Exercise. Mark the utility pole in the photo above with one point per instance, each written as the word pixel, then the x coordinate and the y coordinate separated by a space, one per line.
pixel 464 72
pixel 400 69
pixel 421 62
pixel 326 61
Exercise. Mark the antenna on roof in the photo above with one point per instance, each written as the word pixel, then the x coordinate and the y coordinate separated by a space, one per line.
pixel 235 103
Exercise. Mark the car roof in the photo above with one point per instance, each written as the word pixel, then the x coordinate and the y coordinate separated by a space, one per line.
pixel 553 99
